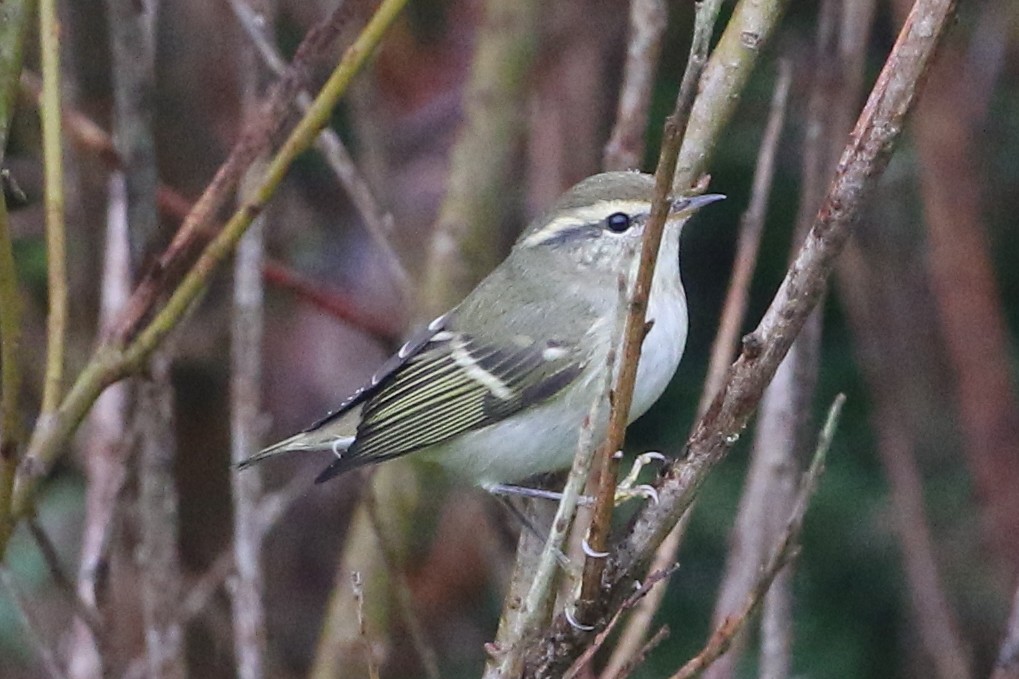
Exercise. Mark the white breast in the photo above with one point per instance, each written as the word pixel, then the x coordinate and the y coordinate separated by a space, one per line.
pixel 663 347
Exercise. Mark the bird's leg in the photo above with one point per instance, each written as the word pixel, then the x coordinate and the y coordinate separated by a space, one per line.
pixel 523 491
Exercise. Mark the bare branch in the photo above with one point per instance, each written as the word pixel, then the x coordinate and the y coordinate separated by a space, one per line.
pixel 636 323
pixel 157 556
pixel 625 149
pixel 65 585
pixel 781 554
pixel 377 221
pixel 862 162
pixel 111 362
pixel 56 246
pixel 247 587
pixel 46 654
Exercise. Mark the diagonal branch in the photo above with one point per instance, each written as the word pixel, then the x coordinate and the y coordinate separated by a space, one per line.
pixel 111 361
pixel 863 160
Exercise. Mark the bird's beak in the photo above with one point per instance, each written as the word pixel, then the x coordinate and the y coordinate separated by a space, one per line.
pixel 691 204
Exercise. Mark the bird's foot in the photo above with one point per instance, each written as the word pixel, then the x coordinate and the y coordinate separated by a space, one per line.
pixel 628 488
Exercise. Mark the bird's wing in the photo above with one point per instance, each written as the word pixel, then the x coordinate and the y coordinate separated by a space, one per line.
pixel 453 383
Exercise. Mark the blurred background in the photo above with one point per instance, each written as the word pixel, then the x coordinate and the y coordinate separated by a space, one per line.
pixel 918 512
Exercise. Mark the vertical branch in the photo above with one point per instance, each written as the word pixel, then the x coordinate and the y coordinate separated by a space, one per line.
pixel 56 257
pixel 751 228
pixel 862 162
pixel 953 172
pixel 133 40
pixel 725 75
pixel 157 556
pixel 111 362
pixel 247 587
pixel 636 319
pixel 483 157
pixel 773 461
pixel 105 449
pixel 13 29
pixel 625 149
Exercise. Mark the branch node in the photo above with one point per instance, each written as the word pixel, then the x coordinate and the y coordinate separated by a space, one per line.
pixel 753 346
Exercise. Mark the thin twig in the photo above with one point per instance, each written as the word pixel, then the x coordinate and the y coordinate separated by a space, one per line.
pixel 377 221
pixel 56 249
pixel 782 552
pixel 194 233
pixel 110 363
pixel 333 302
pixel 404 597
pixel 636 324
pixel 46 654
pixel 751 228
pixel 87 134
pixel 725 75
pixel 863 161
pixel 65 585
pixel 581 663
pixel 625 148
pixel 637 659
pixel 357 588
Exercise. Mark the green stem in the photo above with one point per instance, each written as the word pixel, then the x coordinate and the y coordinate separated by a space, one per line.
pixel 110 363
pixel 56 257
pixel 14 18
pixel 299 141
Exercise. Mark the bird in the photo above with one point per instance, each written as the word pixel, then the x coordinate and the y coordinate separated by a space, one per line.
pixel 496 390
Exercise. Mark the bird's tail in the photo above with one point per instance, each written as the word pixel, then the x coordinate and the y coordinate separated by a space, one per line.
pixel 305 441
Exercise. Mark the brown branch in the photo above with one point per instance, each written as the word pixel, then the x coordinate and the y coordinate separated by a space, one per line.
pixel 636 324
pixel 954 174
pixel 782 552
pixel 625 148
pixel 332 302
pixel 89 136
pixel 768 489
pixel 863 160
pixel 65 585
pixel 752 225
pixel 197 229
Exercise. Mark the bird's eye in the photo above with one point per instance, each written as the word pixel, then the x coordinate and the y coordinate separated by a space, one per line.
pixel 618 222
